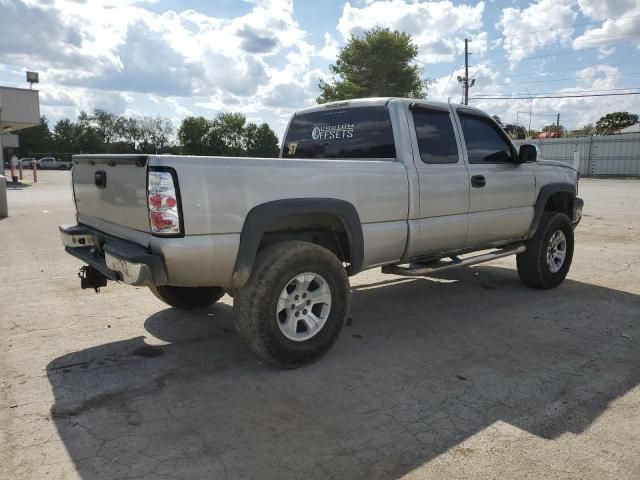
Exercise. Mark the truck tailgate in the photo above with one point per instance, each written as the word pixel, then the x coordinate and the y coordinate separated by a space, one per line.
pixel 112 188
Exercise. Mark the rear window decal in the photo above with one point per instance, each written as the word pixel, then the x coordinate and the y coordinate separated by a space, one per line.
pixel 329 132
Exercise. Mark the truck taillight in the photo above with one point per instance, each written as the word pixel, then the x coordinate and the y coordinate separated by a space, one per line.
pixel 164 204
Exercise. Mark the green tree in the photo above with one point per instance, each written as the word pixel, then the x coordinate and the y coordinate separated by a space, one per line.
pixel 379 63
pixel 612 122
pixel 107 125
pixel 66 136
pixel 129 135
pixel 497 119
pixel 230 127
pixel 35 139
pixel 153 134
pixel 261 141
pixel 586 130
pixel 192 135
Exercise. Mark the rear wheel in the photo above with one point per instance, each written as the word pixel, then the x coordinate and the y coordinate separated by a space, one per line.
pixel 188 298
pixel 549 253
pixel 294 305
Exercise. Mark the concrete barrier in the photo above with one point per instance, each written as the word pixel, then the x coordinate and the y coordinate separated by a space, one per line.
pixel 4 207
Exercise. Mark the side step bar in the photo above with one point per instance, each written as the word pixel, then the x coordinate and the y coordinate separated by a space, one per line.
pixel 416 270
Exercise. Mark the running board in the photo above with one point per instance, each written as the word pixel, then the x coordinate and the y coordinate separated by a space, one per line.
pixel 416 270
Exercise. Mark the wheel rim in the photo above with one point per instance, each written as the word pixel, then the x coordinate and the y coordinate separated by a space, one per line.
pixel 556 251
pixel 303 306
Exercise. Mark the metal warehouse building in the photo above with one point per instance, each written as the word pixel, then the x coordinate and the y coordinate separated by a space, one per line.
pixel 19 108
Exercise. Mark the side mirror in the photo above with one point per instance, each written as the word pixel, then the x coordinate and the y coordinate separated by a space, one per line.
pixel 527 153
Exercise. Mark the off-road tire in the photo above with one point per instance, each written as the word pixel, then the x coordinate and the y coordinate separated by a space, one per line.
pixel 188 298
pixel 255 304
pixel 533 268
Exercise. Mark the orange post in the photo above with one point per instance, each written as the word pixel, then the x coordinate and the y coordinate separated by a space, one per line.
pixel 34 167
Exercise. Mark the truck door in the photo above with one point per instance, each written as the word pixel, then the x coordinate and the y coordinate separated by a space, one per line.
pixel 443 179
pixel 502 190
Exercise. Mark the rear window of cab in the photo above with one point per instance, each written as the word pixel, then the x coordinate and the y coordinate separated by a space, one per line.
pixel 353 132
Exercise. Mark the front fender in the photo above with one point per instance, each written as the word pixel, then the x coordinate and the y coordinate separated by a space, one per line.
pixel 543 197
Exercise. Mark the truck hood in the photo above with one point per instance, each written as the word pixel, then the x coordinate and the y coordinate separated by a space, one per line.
pixel 556 163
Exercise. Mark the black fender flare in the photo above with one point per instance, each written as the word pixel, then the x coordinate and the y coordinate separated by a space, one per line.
pixel 543 197
pixel 262 216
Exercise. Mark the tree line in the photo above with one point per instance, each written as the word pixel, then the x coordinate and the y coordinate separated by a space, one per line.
pixel 228 134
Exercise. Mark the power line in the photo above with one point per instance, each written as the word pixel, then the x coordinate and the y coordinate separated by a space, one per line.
pixel 555 54
pixel 569 26
pixel 540 44
pixel 565 79
pixel 604 90
pixel 528 74
pixel 450 77
pixel 556 96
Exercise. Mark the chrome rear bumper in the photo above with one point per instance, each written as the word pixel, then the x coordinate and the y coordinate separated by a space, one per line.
pixel 116 259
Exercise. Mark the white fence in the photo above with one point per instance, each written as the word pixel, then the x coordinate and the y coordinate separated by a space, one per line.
pixel 616 155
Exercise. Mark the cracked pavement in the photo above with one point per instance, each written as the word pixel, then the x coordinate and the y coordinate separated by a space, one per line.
pixel 468 375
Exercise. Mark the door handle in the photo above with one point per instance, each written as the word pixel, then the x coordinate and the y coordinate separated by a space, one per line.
pixel 478 181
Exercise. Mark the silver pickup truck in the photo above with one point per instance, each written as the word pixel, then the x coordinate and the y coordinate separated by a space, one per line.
pixel 413 186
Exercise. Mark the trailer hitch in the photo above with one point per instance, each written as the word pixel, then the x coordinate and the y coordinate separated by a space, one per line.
pixel 91 277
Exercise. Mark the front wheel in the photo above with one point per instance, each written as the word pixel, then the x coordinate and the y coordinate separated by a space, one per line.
pixel 188 298
pixel 294 304
pixel 546 261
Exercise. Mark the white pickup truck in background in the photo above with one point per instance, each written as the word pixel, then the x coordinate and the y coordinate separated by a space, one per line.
pixel 52 163
pixel 413 186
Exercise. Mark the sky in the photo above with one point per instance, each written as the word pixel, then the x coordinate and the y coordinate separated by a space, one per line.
pixel 264 58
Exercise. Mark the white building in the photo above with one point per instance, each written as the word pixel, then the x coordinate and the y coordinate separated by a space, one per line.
pixel 19 108
pixel 635 128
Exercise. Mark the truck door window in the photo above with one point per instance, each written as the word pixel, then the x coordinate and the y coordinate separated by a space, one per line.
pixel 337 133
pixel 436 139
pixel 484 143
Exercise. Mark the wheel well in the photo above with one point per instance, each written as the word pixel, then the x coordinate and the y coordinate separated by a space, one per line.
pixel 560 202
pixel 324 229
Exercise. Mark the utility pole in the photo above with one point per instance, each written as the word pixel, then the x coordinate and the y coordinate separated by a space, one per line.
pixel 466 71
pixel 558 124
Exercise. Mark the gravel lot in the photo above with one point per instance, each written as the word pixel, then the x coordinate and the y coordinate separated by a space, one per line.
pixel 470 375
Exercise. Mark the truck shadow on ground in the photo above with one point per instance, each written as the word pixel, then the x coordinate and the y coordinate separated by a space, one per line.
pixel 421 366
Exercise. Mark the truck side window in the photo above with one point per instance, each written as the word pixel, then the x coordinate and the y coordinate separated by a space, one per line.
pixel 340 133
pixel 484 143
pixel 436 138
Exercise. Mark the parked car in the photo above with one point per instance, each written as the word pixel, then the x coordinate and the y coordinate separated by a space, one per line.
pixel 26 162
pixel 405 184
pixel 51 163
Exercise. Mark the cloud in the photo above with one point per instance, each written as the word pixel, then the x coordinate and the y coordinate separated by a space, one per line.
pixel 433 26
pixel 613 30
pixel 533 28
pixel 330 48
pixel 48 40
pixel 256 41
pixel 285 95
pixel 602 9
pixel 147 63
pixel 119 45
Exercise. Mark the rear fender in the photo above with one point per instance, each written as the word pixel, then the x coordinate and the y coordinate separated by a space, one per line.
pixel 261 217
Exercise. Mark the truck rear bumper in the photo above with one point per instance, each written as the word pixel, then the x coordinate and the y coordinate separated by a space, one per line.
pixel 116 259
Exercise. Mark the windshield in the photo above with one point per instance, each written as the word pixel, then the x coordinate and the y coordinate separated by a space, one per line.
pixel 352 132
